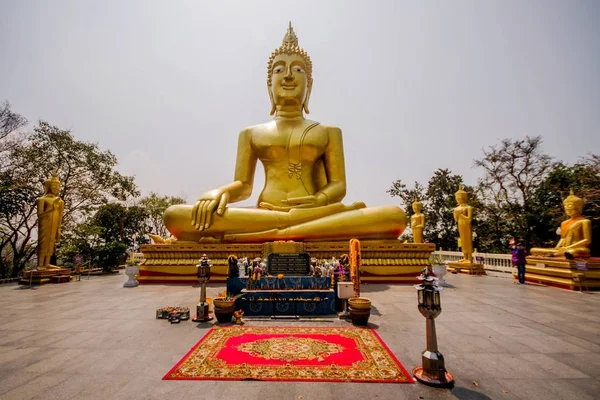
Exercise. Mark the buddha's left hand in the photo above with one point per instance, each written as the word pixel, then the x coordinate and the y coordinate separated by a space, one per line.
pixel 297 202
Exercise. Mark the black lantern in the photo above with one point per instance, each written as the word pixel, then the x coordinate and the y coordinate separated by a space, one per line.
pixel 433 372
pixel 203 277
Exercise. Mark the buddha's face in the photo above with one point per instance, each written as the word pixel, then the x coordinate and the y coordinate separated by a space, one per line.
pixel 461 199
pixel 289 82
pixel 416 208
pixel 53 187
pixel 572 209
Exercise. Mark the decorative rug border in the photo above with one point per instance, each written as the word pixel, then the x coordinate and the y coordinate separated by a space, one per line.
pixel 400 366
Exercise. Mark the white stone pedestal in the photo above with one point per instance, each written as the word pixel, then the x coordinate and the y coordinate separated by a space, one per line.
pixel 131 271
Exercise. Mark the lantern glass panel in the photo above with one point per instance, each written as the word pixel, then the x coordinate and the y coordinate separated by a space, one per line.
pixel 428 299
pixel 436 298
pixel 420 297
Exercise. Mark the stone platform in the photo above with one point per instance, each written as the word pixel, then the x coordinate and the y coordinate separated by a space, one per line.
pixel 466 268
pixel 42 276
pixel 383 261
pixel 578 274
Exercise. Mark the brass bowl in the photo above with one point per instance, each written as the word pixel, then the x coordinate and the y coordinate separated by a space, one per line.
pixel 219 302
pixel 359 303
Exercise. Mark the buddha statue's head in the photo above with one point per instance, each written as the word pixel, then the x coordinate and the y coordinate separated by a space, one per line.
pixel 289 74
pixel 52 185
pixel 461 196
pixel 417 206
pixel 573 205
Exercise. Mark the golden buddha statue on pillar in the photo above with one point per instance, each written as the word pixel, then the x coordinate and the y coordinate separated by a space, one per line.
pixel 463 214
pixel 305 175
pixel 575 233
pixel 417 222
pixel 50 210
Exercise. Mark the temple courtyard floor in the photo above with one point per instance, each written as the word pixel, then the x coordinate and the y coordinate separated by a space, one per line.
pixel 95 339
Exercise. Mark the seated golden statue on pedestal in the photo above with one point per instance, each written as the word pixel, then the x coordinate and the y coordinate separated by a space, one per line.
pixel 50 210
pixel 305 176
pixel 575 233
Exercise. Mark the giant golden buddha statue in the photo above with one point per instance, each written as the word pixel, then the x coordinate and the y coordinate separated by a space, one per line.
pixel 575 232
pixel 305 175
pixel 50 210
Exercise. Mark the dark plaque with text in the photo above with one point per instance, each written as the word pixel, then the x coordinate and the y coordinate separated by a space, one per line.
pixel 289 263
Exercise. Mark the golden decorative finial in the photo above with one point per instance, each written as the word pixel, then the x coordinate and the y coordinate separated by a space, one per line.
pixel 290 36
pixel 460 190
pixel 571 192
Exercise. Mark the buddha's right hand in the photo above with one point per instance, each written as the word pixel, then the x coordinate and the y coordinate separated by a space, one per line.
pixel 205 207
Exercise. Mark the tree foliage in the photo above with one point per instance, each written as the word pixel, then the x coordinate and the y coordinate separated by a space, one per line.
pixel 88 180
pixel 512 171
pixel 156 205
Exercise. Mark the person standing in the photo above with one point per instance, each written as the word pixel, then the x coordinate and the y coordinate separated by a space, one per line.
pixel 518 259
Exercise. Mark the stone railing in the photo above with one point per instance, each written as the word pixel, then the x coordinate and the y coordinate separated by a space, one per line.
pixel 490 261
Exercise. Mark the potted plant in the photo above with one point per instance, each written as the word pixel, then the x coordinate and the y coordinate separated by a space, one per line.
pixel 439 267
pixel 131 271
pixel 225 306
pixel 360 310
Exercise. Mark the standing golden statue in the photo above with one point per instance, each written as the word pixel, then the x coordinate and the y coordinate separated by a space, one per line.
pixel 575 232
pixel 305 175
pixel 463 214
pixel 50 210
pixel 417 222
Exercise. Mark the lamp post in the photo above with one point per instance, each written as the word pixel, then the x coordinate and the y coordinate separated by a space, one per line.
pixel 203 277
pixel 433 372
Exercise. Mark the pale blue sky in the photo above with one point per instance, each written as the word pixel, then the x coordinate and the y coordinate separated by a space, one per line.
pixel 414 85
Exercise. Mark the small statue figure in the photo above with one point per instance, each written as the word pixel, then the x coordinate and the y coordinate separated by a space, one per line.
pixel 463 215
pixel 575 233
pixel 318 272
pixel 238 316
pixel 50 210
pixel 234 270
pixel 417 222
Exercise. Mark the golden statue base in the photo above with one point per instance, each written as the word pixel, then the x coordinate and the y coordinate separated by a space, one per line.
pixel 42 276
pixel 577 274
pixel 466 268
pixel 383 261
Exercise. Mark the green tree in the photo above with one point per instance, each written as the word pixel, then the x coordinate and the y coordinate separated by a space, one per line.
pixel 88 177
pixel 111 255
pixel 120 223
pixel 512 172
pixel 156 205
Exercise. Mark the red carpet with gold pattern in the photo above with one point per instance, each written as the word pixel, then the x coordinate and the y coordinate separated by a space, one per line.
pixel 324 354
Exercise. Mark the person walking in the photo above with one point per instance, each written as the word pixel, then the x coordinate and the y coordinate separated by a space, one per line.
pixel 518 259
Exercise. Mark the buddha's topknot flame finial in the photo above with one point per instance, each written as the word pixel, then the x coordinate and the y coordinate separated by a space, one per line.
pixel 290 36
